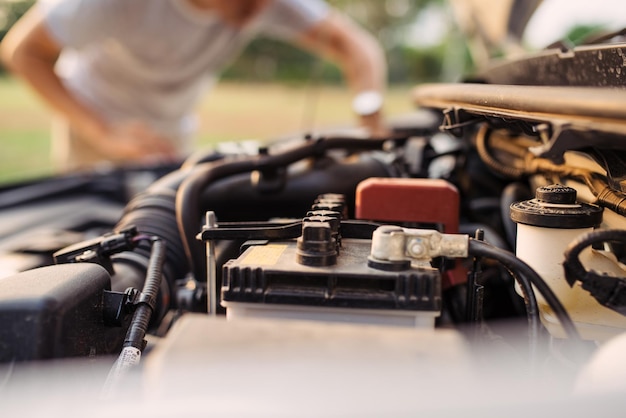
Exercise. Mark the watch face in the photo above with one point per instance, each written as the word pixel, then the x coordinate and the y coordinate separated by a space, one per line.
pixel 367 102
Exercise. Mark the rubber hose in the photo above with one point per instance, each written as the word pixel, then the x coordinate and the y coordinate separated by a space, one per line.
pixel 154 215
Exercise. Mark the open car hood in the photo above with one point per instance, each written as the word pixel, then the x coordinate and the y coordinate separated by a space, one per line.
pixel 493 27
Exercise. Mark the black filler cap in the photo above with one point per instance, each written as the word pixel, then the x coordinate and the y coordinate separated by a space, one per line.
pixel 555 206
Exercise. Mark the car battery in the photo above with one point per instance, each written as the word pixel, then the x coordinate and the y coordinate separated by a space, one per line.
pixel 323 276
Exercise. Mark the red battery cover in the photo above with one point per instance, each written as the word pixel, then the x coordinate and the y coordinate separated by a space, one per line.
pixel 428 201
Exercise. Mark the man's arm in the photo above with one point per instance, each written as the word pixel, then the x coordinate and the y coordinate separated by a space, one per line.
pixel 29 51
pixel 359 56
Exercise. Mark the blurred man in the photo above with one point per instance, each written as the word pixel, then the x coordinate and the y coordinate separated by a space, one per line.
pixel 124 76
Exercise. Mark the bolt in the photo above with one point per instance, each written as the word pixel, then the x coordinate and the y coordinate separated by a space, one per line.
pixel 416 248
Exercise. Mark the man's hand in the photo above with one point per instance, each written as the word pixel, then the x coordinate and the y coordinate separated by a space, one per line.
pixel 135 142
pixel 31 52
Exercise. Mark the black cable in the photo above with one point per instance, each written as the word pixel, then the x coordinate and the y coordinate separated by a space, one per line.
pixel 484 249
pixel 141 318
pixel 134 342
pixel 574 269
pixel 478 248
pixel 609 291
pixel 527 276
pixel 475 290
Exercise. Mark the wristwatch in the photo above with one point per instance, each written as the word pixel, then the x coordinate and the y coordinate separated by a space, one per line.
pixel 367 102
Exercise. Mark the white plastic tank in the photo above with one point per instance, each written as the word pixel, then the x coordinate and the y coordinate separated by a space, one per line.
pixel 546 226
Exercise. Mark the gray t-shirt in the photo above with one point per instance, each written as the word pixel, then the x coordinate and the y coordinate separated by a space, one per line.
pixel 153 59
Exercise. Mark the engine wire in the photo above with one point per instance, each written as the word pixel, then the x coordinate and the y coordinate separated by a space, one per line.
pixel 608 290
pixel 482 147
pixel 596 182
pixel 527 277
pixel 134 342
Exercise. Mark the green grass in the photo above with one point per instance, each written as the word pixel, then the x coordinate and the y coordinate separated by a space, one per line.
pixel 232 111
pixel 25 155
pixel 15 95
pixel 24 125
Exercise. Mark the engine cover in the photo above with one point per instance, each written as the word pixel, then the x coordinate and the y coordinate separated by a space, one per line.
pixel 55 311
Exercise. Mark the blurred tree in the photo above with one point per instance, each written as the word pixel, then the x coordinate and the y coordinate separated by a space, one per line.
pixel 389 20
pixel 10 11
pixel 393 22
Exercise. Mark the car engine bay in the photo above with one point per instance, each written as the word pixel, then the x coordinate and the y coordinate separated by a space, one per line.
pixel 470 262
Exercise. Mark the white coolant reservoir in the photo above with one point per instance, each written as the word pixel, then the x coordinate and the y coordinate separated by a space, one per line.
pixel 546 225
